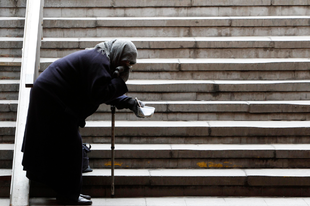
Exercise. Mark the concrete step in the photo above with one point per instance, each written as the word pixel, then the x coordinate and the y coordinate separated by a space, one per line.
pixel 171 8
pixel 7 132
pixel 187 201
pixel 207 90
pixel 6 155
pixel 198 132
pixel 207 156
pixel 190 47
pixel 8 110
pixel 11 46
pixel 172 3
pixel 93 22
pixel 215 110
pixel 196 69
pixel 219 90
pixel 10 68
pixel 5 181
pixel 9 89
pixel 186 156
pixel 12 11
pixel 94 10
pixel 198 182
pixel 221 69
pixel 175 26
pixel 12 26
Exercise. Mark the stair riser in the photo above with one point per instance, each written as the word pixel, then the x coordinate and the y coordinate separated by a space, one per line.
pixel 177 12
pixel 220 116
pixel 175 32
pixel 11 32
pixel 165 22
pixel 221 96
pixel 162 191
pixel 12 12
pixel 218 71
pixel 195 131
pixel 197 163
pixel 218 96
pixel 222 75
pixel 211 9
pixel 189 53
pixel 172 3
pixel 158 191
pixel 197 140
pixel 5 183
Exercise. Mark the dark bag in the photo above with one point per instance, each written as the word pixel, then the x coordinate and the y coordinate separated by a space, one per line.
pixel 86 167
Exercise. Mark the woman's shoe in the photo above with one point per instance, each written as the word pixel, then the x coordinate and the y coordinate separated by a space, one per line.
pixel 85 196
pixel 80 201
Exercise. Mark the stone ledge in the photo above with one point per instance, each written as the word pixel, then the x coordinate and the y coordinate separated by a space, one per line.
pixel 181 43
pixel 194 177
pixel 95 22
pixel 172 3
pixel 196 151
pixel 157 129
pixel 207 64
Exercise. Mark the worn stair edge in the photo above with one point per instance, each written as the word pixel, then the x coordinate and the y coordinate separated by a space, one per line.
pixel 205 86
pixel 169 42
pixel 219 64
pixel 6 151
pixel 197 151
pixel 94 22
pixel 185 42
pixel 194 177
pixel 158 129
pixel 174 3
pixel 173 151
pixel 289 10
pixel 187 201
pixel 223 106
pixel 183 64
pixel 200 86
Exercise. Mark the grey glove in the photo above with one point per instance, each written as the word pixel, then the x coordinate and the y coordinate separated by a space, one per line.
pixel 135 107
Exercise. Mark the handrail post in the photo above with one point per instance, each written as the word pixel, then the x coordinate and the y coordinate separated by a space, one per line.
pixel 19 191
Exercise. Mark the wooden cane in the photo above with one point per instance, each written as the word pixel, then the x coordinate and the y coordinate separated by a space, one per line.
pixel 112 149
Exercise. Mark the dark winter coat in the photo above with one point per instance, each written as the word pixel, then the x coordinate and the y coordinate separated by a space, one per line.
pixel 68 91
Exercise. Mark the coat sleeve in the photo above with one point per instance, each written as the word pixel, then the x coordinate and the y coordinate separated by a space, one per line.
pixel 122 102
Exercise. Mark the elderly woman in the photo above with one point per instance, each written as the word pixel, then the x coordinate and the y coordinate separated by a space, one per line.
pixel 62 97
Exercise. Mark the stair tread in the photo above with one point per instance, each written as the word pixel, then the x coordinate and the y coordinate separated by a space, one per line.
pixel 7 124
pixel 168 17
pixel 161 82
pixel 5 172
pixel 120 3
pixel 187 201
pixel 17 61
pixel 9 81
pixel 198 147
pixel 258 124
pixel 192 172
pixel 202 173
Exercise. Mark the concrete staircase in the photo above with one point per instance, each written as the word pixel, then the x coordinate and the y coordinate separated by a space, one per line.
pixel 229 81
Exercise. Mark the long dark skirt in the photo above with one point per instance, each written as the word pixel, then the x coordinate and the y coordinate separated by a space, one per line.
pixel 52 145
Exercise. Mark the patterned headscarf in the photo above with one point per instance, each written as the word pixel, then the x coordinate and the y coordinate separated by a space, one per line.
pixel 118 50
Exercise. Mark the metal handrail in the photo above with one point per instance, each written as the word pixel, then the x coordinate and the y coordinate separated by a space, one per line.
pixel 19 192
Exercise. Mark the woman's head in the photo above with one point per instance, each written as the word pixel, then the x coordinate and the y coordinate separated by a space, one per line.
pixel 120 52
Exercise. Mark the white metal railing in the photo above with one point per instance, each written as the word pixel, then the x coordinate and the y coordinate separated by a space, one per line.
pixel 19 193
